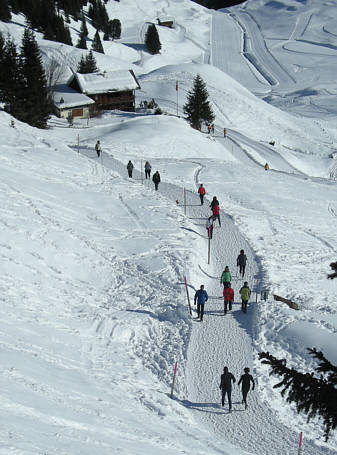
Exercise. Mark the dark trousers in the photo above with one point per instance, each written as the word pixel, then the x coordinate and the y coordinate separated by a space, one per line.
pixel 130 173
pixel 156 185
pixel 201 198
pixel 242 269
pixel 244 305
pixel 98 153
pixel 210 231
pixel 217 217
pixel 225 306
pixel 227 392
pixel 147 174
pixel 200 310
pixel 244 395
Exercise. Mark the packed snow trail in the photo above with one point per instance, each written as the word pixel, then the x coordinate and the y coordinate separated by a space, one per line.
pixel 223 340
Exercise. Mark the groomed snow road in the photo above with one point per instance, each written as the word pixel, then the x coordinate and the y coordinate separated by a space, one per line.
pixel 224 340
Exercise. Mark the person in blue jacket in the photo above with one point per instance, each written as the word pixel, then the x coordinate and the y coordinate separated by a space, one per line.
pixel 200 298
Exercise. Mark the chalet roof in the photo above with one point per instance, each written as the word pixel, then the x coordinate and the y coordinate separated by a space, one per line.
pixel 65 97
pixel 107 81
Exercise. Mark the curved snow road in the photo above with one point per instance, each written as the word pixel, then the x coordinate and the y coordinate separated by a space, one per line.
pixel 224 340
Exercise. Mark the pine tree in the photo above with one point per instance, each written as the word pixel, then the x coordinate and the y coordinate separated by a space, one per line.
pixel 115 28
pixel 152 41
pixel 87 64
pixel 314 396
pixel 84 30
pixel 35 100
pixel 10 78
pixel 82 42
pixel 97 43
pixel 198 108
pixel 5 14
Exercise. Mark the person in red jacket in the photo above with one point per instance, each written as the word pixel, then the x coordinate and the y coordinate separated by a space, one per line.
pixel 216 209
pixel 228 297
pixel 202 193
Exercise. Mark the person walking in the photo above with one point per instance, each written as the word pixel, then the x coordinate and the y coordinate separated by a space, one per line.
pixel 241 263
pixel 245 293
pixel 215 207
pixel 226 276
pixel 266 167
pixel 209 226
pixel 201 192
pixel 129 167
pixel 209 128
pixel 212 128
pixel 228 297
pixel 224 132
pixel 156 180
pixel 200 298
pixel 147 168
pixel 226 387
pixel 245 380
pixel 98 148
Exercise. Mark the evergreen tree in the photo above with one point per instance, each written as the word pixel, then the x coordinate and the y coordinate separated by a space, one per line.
pixel 115 28
pixel 35 100
pixel 82 42
pixel 10 78
pixel 84 30
pixel 97 43
pixel 152 41
pixel 91 63
pixel 314 396
pixel 198 108
pixel 87 64
pixel 5 14
pixel 15 6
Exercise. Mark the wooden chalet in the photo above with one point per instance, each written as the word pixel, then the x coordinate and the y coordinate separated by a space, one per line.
pixel 165 21
pixel 70 103
pixel 110 90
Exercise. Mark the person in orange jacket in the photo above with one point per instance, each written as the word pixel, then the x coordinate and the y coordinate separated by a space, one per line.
pixel 201 192
pixel 228 297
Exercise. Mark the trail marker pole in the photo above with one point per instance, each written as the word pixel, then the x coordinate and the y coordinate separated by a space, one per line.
pixel 78 143
pixel 141 169
pixel 184 201
pixel 209 250
pixel 188 296
pixel 300 444
pixel 174 378
pixel 177 87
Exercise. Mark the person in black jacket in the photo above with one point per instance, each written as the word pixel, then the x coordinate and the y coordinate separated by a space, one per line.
pixel 241 263
pixel 246 379
pixel 156 180
pixel 226 387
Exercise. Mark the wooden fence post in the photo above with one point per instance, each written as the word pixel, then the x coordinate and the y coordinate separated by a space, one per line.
pixel 188 296
pixel 174 378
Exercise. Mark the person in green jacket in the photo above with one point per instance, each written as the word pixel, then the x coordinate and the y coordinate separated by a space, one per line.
pixel 226 276
pixel 245 293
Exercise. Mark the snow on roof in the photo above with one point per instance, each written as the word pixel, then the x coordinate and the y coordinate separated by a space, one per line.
pixel 107 81
pixel 65 97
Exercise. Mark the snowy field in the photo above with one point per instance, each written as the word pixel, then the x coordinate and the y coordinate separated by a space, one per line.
pixel 94 313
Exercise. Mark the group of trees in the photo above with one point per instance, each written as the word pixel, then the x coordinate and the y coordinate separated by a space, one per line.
pixel 45 16
pixel 23 84
pixel 217 4
pixel 87 64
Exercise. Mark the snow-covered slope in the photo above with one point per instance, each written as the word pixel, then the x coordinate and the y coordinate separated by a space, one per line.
pixel 94 313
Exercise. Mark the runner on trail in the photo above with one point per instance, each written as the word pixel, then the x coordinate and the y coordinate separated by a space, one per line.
pixel 202 193
pixel 226 387
pixel 209 226
pixel 129 167
pixel 224 132
pixel 200 298
pixel 245 293
pixel 215 207
pixel 147 168
pixel 98 148
pixel 228 297
pixel 226 276
pixel 246 379
pixel 156 180
pixel 241 263
pixel 266 167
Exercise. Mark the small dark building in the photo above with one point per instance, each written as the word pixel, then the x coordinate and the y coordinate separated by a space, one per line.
pixel 109 89
pixel 165 22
